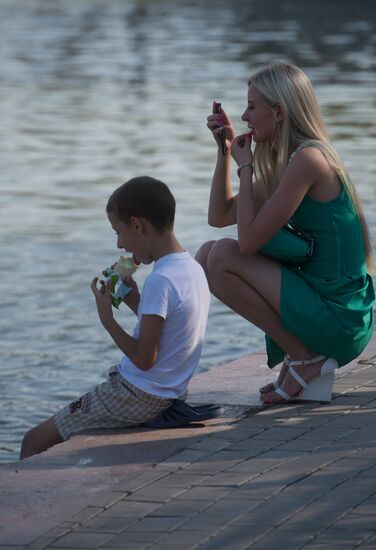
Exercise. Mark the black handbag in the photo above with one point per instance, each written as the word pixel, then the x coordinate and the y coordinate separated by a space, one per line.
pixel 289 245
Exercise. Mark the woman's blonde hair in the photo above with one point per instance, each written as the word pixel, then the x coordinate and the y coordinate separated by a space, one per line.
pixel 286 85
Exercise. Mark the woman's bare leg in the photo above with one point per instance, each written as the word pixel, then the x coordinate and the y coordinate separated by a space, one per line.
pixel 250 284
pixel 202 257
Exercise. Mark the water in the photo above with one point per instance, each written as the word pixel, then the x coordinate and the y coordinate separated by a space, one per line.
pixel 95 92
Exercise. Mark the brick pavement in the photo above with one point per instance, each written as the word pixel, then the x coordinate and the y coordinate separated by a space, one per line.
pixel 299 476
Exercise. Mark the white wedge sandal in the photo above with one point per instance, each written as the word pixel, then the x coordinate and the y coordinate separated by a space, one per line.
pixel 319 388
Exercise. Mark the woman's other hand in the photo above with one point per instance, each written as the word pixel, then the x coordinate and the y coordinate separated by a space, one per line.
pixel 220 122
pixel 241 149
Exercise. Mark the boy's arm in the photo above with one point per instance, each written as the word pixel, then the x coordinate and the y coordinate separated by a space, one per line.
pixel 132 300
pixel 142 352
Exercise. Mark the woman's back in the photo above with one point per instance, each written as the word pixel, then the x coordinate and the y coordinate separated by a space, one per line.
pixel 338 238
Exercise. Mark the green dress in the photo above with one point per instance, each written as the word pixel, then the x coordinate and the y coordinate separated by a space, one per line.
pixel 328 302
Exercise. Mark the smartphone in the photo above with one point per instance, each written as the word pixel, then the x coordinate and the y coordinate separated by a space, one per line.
pixel 216 110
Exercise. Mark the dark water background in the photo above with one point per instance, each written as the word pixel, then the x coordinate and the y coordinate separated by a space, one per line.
pixel 93 92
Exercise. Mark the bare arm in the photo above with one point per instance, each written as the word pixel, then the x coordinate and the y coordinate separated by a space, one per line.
pixel 132 299
pixel 256 228
pixel 142 352
pixel 222 202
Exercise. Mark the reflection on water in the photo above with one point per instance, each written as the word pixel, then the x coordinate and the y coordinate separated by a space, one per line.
pixel 97 91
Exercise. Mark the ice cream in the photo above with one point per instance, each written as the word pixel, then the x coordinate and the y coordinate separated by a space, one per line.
pixel 123 267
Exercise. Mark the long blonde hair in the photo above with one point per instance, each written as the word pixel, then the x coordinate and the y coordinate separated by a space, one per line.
pixel 286 85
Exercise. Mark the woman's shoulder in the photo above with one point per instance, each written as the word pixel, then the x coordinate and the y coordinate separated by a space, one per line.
pixel 310 158
pixel 311 153
pixel 325 183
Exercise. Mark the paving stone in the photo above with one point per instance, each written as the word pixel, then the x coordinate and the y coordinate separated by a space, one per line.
pixel 256 447
pixel 182 540
pixel 204 523
pixel 300 445
pixel 256 465
pixel 217 462
pixel 338 545
pixel 140 481
pixel 274 511
pixel 324 480
pixel 107 524
pixel 366 453
pixel 130 509
pixel 368 543
pixel 156 524
pixel 231 507
pixel 204 492
pixel 236 537
pixel 285 537
pixel 82 540
pixel 182 508
pixel 227 479
pixel 367 506
pixel 280 433
pixel 351 400
pixel 105 500
pixel 86 513
pixel 184 479
pixel 327 434
pixel 353 420
pixel 58 532
pixel 156 492
pixel 39 544
pixel 282 411
pixel 185 457
pixel 337 536
pixel 356 520
pixel 318 515
pixel 230 435
pixel 209 444
pixel 349 464
pixel 123 540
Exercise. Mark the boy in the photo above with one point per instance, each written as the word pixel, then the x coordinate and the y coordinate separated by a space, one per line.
pixel 172 312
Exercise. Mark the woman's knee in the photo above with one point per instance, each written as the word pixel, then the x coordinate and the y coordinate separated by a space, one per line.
pixel 221 256
pixel 203 253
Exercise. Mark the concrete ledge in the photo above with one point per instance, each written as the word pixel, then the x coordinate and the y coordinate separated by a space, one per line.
pixel 92 471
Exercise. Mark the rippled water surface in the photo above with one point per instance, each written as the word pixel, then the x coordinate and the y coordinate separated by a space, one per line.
pixel 93 92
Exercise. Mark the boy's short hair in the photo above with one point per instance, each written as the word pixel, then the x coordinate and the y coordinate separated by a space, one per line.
pixel 144 197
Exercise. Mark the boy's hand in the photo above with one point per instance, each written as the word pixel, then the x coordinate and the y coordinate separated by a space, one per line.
pixel 103 300
pixel 132 299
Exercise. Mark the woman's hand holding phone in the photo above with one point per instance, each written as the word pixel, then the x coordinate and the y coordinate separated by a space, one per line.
pixel 221 127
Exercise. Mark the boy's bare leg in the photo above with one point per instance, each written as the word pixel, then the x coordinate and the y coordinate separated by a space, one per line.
pixel 40 438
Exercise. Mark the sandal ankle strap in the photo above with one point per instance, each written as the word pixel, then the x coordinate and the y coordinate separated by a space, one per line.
pixel 290 363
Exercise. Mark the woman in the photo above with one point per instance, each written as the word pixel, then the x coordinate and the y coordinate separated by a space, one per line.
pixel 317 316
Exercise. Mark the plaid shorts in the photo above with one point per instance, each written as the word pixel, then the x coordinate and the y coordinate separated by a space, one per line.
pixel 113 404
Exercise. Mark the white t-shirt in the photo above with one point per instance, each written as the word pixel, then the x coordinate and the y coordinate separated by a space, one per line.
pixel 176 290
